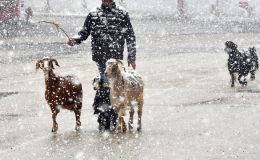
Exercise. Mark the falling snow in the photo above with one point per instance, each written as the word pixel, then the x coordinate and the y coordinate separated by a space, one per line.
pixel 190 111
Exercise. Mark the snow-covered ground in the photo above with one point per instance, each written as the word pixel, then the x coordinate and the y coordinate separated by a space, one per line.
pixel 190 110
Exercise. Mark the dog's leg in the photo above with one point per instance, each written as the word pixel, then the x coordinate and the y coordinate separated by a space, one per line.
pixel 244 82
pixel 252 77
pixel 232 79
pixel 239 79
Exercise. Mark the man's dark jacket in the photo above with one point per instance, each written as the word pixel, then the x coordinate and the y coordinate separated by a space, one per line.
pixel 109 28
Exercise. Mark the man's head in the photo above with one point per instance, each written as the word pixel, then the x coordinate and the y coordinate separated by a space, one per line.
pixel 107 2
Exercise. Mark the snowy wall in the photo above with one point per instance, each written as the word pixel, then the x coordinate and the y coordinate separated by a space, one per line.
pixel 192 7
pixel 228 7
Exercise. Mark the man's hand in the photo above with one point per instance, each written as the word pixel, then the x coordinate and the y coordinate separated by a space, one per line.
pixel 132 63
pixel 71 42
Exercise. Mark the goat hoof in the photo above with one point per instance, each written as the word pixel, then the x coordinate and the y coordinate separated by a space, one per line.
pixel 119 129
pixel 78 127
pixel 54 129
pixel 124 129
pixel 139 129
pixel 232 85
pixel 130 126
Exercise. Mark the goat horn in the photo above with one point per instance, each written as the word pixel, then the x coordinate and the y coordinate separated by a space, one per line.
pixel 119 61
pixel 55 61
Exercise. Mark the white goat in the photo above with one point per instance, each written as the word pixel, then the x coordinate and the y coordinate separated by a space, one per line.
pixel 126 92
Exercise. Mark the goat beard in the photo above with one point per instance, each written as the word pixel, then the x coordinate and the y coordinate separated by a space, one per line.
pixel 114 76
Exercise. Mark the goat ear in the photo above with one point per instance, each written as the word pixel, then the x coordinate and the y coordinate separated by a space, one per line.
pixel 38 65
pixel 55 62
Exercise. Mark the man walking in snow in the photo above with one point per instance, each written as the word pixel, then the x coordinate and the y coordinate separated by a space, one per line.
pixel 109 27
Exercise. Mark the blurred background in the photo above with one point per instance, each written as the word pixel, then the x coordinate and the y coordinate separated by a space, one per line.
pixel 184 8
pixel 167 7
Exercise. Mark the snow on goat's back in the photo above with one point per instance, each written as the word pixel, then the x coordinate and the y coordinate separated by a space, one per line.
pixel 132 77
pixel 73 79
pixel 112 60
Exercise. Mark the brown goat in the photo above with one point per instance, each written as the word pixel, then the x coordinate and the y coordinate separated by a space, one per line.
pixel 61 92
pixel 126 90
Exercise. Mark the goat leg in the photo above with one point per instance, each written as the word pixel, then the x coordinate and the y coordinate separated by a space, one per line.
pixel 121 127
pixel 139 120
pixel 55 124
pixel 131 118
pixel 119 123
pixel 77 115
pixel 244 82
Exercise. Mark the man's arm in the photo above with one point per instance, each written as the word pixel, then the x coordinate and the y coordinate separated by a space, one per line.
pixel 130 41
pixel 83 34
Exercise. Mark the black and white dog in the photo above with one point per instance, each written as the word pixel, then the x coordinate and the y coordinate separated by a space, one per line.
pixel 107 116
pixel 241 63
